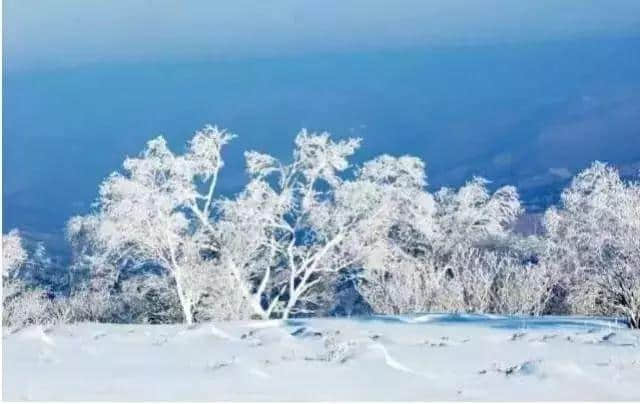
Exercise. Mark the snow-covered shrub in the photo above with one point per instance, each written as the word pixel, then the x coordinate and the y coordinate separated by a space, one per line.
pixel 594 242
pixel 95 266
pixel 484 272
pixel 108 285
pixel 24 301
pixel 395 283
pixel 147 298
pixel 22 304
pixel 493 268
pixel 523 288
pixel 221 299
pixel 450 253
pixel 468 284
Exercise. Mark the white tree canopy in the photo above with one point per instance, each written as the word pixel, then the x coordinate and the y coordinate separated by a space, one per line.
pixel 595 242
pixel 277 248
pixel 296 225
pixel 158 210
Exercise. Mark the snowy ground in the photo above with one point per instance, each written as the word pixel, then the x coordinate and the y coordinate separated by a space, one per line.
pixel 432 357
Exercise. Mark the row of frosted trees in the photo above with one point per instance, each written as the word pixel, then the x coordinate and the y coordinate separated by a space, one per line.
pixel 163 246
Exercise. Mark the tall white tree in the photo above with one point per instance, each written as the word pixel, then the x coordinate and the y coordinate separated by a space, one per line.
pixel 295 226
pixel 158 211
pixel 595 243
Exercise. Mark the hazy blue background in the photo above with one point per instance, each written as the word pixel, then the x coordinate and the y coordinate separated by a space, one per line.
pixel 522 92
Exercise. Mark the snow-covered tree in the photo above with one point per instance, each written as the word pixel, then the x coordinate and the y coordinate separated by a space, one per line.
pixel 594 240
pixel 22 304
pixel 398 275
pixel 296 226
pixel 473 248
pixel 474 216
pixel 484 280
pixel 13 254
pixel 451 252
pixel 158 211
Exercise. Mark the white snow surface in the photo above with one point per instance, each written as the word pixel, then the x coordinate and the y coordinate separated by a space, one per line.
pixel 426 357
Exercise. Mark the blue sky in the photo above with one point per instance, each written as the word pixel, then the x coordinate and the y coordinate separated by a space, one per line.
pixel 45 33
pixel 520 92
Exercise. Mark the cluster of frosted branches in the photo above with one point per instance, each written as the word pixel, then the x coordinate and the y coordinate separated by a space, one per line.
pixel 451 257
pixel 162 245
pixel 21 304
pixel 594 243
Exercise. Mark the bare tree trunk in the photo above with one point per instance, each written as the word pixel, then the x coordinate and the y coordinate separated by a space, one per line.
pixel 287 310
pixel 185 304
